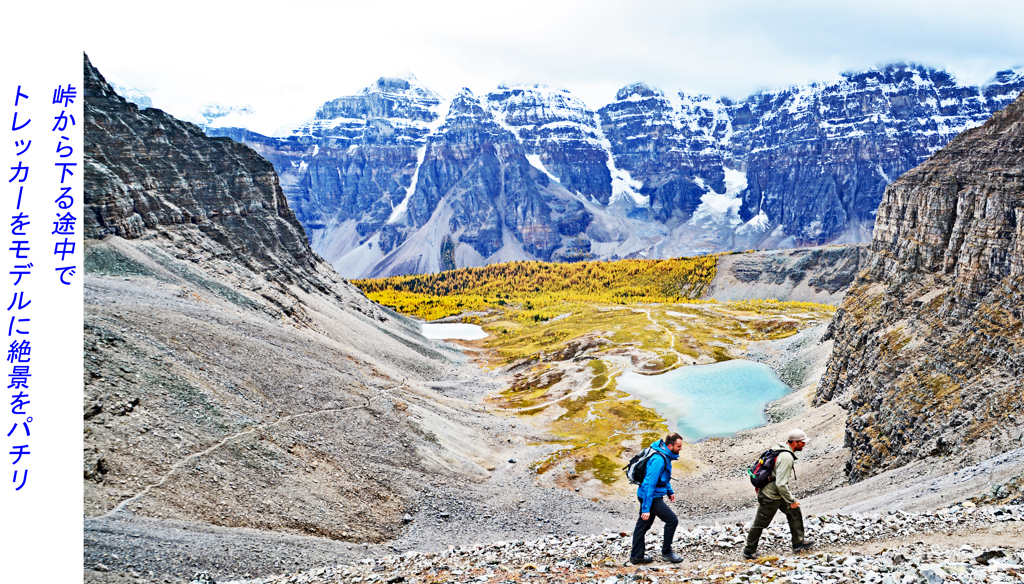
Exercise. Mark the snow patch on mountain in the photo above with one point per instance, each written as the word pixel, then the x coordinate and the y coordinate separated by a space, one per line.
pixel 534 160
pixel 399 210
pixel 537 105
pixel 721 209
pixel 625 187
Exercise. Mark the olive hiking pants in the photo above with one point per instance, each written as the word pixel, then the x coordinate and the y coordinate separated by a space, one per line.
pixel 766 509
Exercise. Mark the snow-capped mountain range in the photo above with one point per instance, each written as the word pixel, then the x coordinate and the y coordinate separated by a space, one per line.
pixel 383 179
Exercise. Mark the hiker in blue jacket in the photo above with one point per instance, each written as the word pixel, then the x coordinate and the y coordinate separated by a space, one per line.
pixel 651 493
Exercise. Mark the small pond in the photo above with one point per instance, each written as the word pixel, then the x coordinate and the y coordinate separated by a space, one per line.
pixel 703 401
pixel 453 330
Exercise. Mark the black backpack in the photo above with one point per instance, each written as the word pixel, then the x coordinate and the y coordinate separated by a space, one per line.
pixel 761 472
pixel 636 470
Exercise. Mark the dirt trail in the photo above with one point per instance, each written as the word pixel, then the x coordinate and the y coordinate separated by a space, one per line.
pixel 123 505
pixel 680 358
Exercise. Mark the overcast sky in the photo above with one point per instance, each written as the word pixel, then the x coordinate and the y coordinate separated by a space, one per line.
pixel 285 59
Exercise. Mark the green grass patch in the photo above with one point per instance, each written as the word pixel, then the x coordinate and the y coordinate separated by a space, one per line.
pixel 603 468
pixel 720 355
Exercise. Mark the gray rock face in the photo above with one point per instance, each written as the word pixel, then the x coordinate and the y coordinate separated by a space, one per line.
pixel 476 185
pixel 928 342
pixel 667 149
pixel 389 98
pixel 348 168
pixel 652 174
pixel 817 274
pixel 819 157
pixel 145 170
pixel 562 132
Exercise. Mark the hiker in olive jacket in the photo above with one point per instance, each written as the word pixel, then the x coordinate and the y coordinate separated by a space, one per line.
pixel 775 496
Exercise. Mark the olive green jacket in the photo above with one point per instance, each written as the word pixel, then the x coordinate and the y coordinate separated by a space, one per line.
pixel 779 488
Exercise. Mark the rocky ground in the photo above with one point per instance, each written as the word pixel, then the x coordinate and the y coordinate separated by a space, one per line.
pixel 454 538
pixel 511 505
pixel 849 550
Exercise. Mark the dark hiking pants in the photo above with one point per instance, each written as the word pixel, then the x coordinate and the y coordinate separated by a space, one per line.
pixel 766 509
pixel 661 510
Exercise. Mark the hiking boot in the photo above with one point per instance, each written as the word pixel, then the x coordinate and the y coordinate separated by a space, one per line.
pixel 643 560
pixel 804 545
pixel 750 556
pixel 671 556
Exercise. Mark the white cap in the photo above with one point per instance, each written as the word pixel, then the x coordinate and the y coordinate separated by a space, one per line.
pixel 797 435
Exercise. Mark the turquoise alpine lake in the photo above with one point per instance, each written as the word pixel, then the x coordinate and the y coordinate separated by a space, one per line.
pixel 704 401
pixel 453 330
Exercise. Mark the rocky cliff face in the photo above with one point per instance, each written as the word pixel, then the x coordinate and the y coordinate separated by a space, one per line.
pixel 929 342
pixel 475 186
pixel 560 134
pixel 345 171
pixel 231 376
pixel 810 274
pixel 481 171
pixel 147 172
pixel 674 159
pixel 819 157
pixel 652 174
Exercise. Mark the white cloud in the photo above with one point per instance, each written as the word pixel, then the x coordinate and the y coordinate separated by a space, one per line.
pixel 289 58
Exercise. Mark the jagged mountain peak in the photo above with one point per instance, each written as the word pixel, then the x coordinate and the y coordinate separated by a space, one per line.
pixel 392 84
pixel 898 76
pixel 1006 76
pixel 536 105
pixel 901 77
pixel 466 103
pixel 637 91
pixel 406 86
pixel 1003 88
pixel 465 93
pixel 702 98
pixel 535 91
pixel 386 98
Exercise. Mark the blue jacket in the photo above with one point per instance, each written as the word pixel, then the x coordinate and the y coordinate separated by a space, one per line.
pixel 657 481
